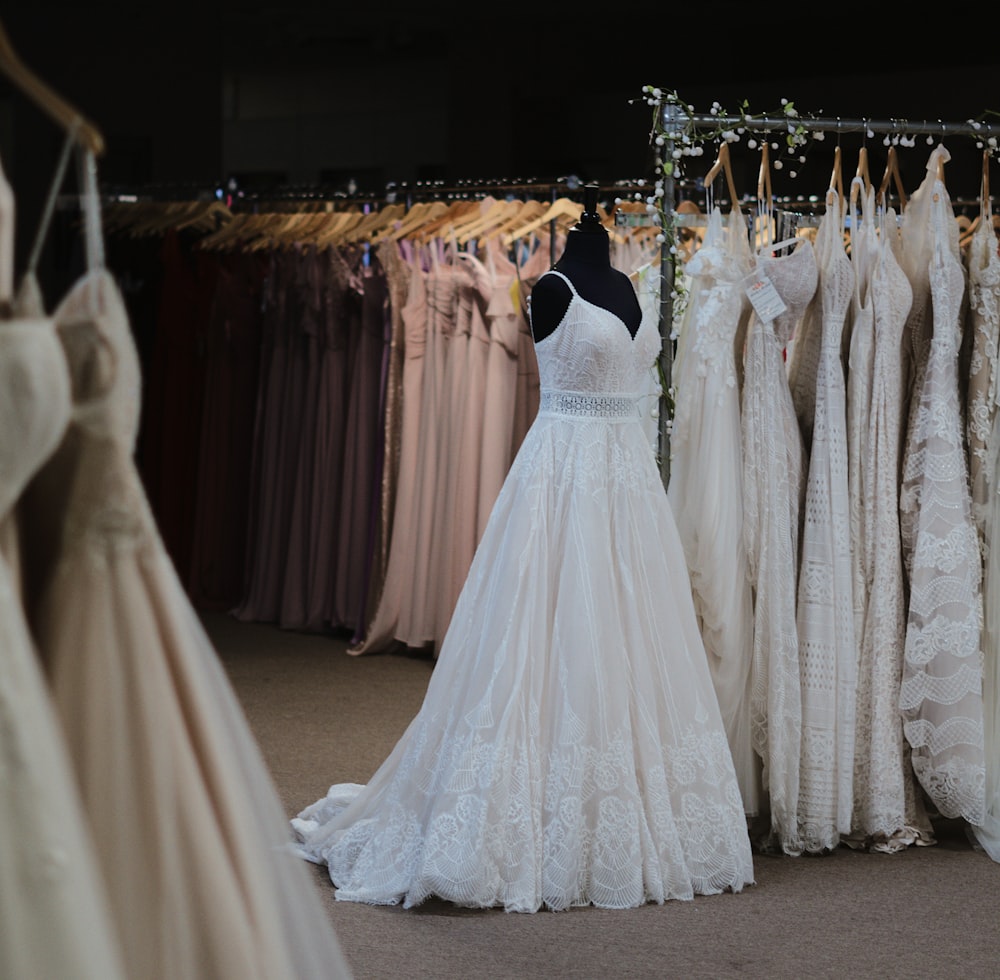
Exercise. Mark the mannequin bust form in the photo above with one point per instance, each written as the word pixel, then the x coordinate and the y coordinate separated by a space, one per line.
pixel 586 262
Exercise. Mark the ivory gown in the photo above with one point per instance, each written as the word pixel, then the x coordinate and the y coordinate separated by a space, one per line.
pixel 570 748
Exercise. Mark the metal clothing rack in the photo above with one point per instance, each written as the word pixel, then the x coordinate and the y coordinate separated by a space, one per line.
pixel 676 119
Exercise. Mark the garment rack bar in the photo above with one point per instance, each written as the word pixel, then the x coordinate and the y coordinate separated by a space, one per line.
pixel 904 127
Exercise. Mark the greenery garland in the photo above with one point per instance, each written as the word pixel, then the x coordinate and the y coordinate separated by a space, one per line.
pixel 676 137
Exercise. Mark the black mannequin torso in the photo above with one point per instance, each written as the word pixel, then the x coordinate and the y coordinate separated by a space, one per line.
pixel 586 262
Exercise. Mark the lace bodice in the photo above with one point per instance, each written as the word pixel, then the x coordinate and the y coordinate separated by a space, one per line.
pixel 34 402
pixel 715 309
pixel 795 276
pixel 591 352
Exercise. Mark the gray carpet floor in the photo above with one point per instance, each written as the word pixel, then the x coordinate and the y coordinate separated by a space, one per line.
pixel 322 716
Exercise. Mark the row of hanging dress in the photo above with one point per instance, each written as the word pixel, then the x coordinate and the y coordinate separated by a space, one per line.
pixel 356 406
pixel 469 394
pixel 865 688
pixel 464 416
pixel 316 438
pixel 164 764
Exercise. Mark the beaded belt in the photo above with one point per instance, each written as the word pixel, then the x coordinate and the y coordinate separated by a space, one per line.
pixel 578 404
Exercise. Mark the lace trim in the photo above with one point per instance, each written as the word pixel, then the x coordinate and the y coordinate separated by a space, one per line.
pixel 577 404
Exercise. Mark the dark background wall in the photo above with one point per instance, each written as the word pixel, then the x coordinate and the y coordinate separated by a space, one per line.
pixel 189 95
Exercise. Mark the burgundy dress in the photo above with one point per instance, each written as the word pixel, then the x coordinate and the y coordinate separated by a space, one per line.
pixel 177 385
pixel 222 508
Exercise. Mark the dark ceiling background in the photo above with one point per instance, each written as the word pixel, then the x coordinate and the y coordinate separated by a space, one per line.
pixel 189 94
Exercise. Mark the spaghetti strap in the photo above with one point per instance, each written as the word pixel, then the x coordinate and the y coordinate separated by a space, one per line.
pixel 43 226
pixel 565 278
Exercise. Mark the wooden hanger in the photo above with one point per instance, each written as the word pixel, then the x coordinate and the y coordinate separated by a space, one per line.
pixel 529 209
pixel 229 233
pixel 984 189
pixel 46 99
pixel 892 174
pixel 862 170
pixel 562 210
pixel 418 214
pixel 458 210
pixel 374 221
pixel 722 162
pixel 160 216
pixel 837 174
pixel 494 214
pixel 765 198
pixel 207 216
pixel 337 226
pixel 862 183
pixel 985 208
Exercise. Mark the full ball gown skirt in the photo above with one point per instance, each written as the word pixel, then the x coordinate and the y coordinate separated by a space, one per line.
pixel 570 749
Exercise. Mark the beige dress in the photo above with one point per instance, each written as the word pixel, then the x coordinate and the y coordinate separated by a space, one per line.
pixel 55 919
pixel 190 832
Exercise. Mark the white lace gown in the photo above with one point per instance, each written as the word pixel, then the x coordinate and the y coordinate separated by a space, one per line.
pixel 191 836
pixel 825 608
pixel 860 336
pixel 570 748
pixel 773 482
pixel 888 809
pixel 941 695
pixel 983 264
pixel 706 478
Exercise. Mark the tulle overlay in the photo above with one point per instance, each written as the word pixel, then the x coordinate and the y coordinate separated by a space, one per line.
pixel 570 748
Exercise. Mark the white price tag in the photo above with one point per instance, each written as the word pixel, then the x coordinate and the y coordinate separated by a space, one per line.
pixel 764 297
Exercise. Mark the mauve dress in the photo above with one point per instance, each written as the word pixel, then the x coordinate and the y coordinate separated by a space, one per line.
pixel 458 537
pixel 295 586
pixel 397 272
pixel 528 385
pixel 278 419
pixel 417 618
pixel 324 527
pixel 380 302
pixel 454 401
pixel 505 324
pixel 361 439
pixel 385 624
